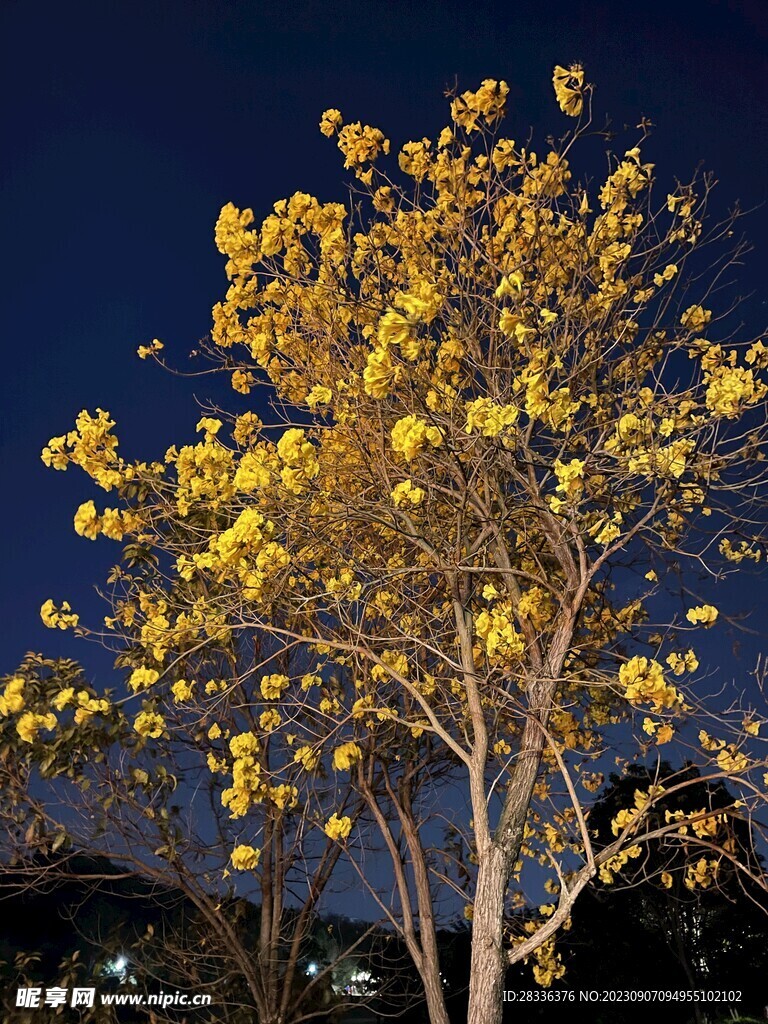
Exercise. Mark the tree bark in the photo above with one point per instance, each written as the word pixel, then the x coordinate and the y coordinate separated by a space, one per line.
pixel 497 859
pixel 488 966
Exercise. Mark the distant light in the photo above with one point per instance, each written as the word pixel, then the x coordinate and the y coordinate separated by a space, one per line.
pixel 312 969
pixel 121 963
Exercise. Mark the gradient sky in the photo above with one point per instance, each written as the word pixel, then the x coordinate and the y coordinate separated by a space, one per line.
pixel 126 126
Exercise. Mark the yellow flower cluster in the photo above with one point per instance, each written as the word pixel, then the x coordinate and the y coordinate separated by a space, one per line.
pixel 570 478
pixel 695 318
pixel 58 618
pixel 701 875
pixel 142 678
pixel 681 663
pixel 283 796
pixel 489 418
pixel 269 720
pixel 495 627
pixel 396 660
pixel 744 550
pixel 536 605
pixel 87 521
pixel 338 828
pixel 244 552
pixel 87 706
pixel 569 89
pixel 414 159
pixel 361 144
pixel 247 785
pixel 320 394
pixel 182 690
pixel 706 614
pixel 407 495
pixel 330 122
pixel 256 470
pixel 661 733
pixel 730 389
pixel 628 815
pixel 245 858
pixel 12 700
pixel 644 683
pixel 151 349
pixel 707 828
pixel 203 473
pixel 243 381
pixel 299 458
pixel 346 755
pixel 30 724
pixel 410 435
pixel 732 760
pixel 272 686
pixel 306 757
pixel 611 867
pixel 149 724
pixel 487 103
pixel 380 372
pixel 92 446
pixel 549 966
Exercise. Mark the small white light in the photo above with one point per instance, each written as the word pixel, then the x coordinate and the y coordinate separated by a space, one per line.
pixel 121 963
pixel 312 969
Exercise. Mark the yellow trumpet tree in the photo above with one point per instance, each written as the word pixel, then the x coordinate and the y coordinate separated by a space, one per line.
pixel 509 411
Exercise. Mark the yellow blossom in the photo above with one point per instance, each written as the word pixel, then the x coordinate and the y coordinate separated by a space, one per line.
pixel 570 477
pixel 380 373
pixel 643 679
pixel 701 874
pixel 243 381
pixel 64 698
pixel 245 744
pixel 681 663
pixel 87 522
pixel 306 757
pixel 695 318
pixel 346 755
pixel 245 858
pixel 319 395
pixel 150 724
pixel 410 435
pixel 182 690
pixel 142 678
pixel 269 720
pixel 58 618
pixel 706 614
pixel 732 760
pixel 148 350
pixel 569 89
pixel 273 686
pixel 489 418
pixel 338 828
pixel 406 494
pixel 710 743
pixel 12 700
pixel 30 724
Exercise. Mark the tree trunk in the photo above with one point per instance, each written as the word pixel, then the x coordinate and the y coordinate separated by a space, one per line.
pixel 496 863
pixel 434 995
pixel 488 964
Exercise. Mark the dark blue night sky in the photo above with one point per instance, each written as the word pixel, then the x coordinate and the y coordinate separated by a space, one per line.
pixel 126 126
